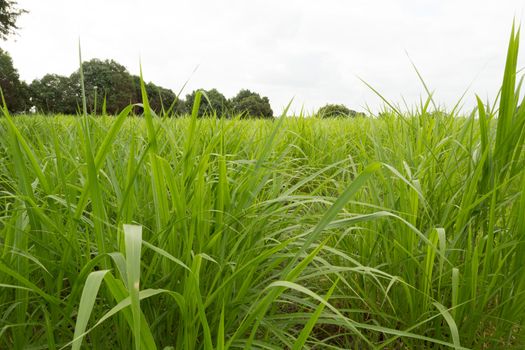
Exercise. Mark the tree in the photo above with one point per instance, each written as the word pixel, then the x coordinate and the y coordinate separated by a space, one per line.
pixel 159 98
pixel 335 110
pixel 54 94
pixel 214 104
pixel 251 104
pixel 15 92
pixel 8 15
pixel 179 109
pixel 105 79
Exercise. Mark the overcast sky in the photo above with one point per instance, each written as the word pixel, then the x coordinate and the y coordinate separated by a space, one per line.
pixel 312 51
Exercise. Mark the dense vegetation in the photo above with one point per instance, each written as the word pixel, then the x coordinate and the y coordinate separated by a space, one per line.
pixel 405 231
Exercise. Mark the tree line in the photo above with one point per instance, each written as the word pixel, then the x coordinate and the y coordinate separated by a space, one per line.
pixel 109 87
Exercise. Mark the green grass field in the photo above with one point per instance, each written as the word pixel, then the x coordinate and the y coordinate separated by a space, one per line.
pixel 400 232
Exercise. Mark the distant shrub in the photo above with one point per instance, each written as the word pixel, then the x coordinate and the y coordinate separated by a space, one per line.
pixel 337 110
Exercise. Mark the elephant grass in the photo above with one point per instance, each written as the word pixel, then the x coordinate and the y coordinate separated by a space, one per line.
pixel 404 231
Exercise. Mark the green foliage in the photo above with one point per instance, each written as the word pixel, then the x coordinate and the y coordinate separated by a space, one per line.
pixel 336 110
pixel 54 94
pixel 251 104
pixel 160 98
pixel 400 232
pixel 111 81
pixel 213 103
pixel 15 92
pixel 105 79
pixel 8 15
pixel 106 82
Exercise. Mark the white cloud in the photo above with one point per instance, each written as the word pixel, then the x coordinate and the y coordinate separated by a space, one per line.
pixel 311 50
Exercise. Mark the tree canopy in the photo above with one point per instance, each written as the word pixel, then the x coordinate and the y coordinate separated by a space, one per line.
pixel 213 103
pixel 55 94
pixel 336 110
pixel 251 104
pixel 159 98
pixel 8 15
pixel 105 79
